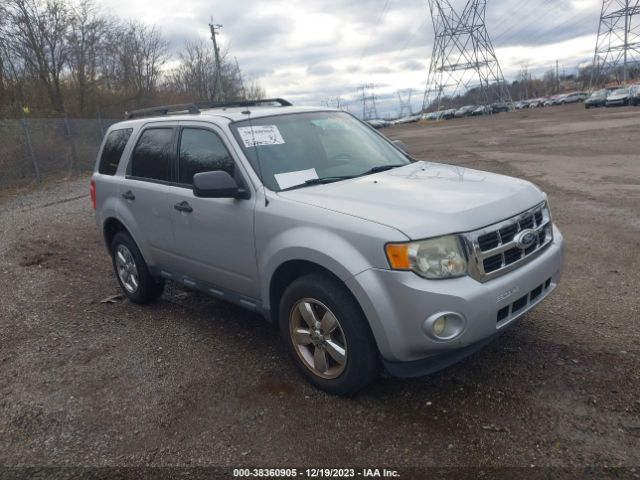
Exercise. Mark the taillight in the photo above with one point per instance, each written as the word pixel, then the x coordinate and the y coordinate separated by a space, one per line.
pixel 92 189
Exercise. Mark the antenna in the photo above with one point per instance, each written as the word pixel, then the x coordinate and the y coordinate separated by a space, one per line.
pixel 618 44
pixel 463 57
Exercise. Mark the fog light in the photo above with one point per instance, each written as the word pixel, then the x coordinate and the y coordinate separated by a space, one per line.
pixel 444 326
pixel 439 325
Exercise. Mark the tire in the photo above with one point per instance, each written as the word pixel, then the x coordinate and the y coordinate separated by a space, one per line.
pixel 132 272
pixel 316 294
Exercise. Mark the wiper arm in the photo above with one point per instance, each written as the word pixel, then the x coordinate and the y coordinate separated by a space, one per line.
pixel 380 168
pixel 321 181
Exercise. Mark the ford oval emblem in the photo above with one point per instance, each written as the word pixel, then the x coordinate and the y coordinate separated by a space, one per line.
pixel 525 239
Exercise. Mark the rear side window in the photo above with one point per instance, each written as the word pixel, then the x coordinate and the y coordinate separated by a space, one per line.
pixel 151 157
pixel 112 151
pixel 202 151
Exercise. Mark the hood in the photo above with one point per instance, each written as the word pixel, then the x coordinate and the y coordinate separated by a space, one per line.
pixel 425 199
pixel 618 96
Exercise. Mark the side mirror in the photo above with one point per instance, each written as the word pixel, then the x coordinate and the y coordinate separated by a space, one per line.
pixel 401 145
pixel 218 184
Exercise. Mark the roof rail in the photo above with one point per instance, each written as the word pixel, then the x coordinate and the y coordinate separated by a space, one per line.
pixel 244 103
pixel 162 110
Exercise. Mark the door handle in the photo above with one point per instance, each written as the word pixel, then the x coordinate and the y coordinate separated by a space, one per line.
pixel 128 195
pixel 183 207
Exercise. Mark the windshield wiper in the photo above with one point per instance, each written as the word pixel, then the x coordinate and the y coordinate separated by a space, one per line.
pixel 380 168
pixel 321 181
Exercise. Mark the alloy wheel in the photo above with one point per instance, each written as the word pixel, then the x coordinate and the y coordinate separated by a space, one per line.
pixel 318 338
pixel 127 269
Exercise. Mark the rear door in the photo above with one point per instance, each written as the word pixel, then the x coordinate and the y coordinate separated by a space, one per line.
pixel 214 238
pixel 144 201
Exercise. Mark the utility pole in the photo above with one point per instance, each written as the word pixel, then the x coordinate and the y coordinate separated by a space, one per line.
pixel 244 92
pixel 618 43
pixel 463 56
pixel 218 89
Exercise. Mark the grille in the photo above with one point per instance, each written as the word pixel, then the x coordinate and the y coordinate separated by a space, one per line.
pixel 510 310
pixel 494 250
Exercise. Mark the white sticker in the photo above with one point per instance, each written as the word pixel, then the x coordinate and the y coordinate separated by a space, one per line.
pixel 260 135
pixel 292 179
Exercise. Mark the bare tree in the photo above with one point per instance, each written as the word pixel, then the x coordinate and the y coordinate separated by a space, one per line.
pixel 195 73
pixel 36 33
pixel 86 37
pixel 143 52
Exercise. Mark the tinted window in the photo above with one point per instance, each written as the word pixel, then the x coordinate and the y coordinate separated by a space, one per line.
pixel 112 151
pixel 152 154
pixel 202 151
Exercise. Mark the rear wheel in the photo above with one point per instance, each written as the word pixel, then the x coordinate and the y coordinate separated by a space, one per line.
pixel 327 335
pixel 132 272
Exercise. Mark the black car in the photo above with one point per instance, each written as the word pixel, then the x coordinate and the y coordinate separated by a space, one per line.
pixel 499 107
pixel 597 99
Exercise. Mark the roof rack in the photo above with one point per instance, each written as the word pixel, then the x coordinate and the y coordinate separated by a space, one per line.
pixel 245 103
pixel 162 110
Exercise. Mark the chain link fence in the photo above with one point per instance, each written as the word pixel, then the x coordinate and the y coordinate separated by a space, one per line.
pixel 35 149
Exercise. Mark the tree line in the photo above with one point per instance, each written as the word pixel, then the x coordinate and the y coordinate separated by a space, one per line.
pixel 60 57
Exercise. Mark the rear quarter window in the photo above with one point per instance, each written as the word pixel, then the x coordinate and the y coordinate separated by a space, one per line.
pixel 112 152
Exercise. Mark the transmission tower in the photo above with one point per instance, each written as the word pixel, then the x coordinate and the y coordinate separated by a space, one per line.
pixel 618 45
pixel 404 99
pixel 463 57
pixel 218 89
pixel 369 109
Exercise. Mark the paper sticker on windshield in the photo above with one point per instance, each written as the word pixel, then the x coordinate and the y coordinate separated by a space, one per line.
pixel 292 179
pixel 261 135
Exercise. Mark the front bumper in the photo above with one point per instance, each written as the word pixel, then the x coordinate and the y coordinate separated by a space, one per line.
pixel 397 304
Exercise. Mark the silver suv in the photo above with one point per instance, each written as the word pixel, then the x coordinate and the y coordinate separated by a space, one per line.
pixel 364 257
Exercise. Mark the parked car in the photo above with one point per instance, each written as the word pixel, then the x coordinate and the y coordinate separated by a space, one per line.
pixel 536 102
pixel 548 102
pixel 379 123
pixel 437 115
pixel 558 99
pixel 364 257
pixel 521 104
pixel 574 97
pixel 618 98
pixel 597 99
pixel 465 111
pixel 634 98
pixel 481 110
pixel 499 107
pixel 449 114
pixel 408 119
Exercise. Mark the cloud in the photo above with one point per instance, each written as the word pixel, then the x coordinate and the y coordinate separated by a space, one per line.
pixel 320 69
pixel 310 51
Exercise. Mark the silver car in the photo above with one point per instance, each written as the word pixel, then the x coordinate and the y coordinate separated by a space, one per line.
pixel 365 258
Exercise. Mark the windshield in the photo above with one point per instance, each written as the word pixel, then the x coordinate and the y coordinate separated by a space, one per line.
pixel 295 149
pixel 621 91
pixel 599 93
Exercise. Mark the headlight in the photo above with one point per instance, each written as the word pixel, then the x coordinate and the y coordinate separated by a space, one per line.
pixel 436 258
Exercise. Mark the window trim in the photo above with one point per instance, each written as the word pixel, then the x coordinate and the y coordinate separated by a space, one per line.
pixel 172 154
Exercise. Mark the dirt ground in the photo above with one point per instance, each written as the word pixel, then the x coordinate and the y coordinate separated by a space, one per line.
pixel 193 381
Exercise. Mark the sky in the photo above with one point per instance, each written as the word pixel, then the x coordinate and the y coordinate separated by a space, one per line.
pixel 309 51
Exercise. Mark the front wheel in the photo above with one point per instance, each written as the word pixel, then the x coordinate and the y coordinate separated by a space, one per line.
pixel 132 272
pixel 327 335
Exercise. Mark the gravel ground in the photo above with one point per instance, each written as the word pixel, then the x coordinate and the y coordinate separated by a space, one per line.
pixel 193 381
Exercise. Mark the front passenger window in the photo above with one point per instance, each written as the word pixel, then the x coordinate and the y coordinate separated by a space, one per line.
pixel 202 151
